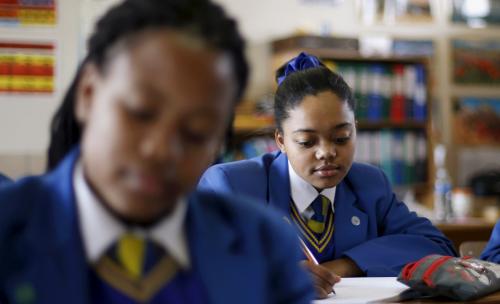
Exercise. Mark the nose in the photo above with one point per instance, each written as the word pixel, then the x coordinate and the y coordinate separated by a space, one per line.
pixel 161 145
pixel 326 151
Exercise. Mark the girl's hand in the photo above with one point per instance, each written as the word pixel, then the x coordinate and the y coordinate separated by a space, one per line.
pixel 323 278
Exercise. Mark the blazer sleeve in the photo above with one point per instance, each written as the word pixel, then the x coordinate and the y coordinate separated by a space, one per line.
pixel 4 179
pixel 216 181
pixel 402 237
pixel 492 250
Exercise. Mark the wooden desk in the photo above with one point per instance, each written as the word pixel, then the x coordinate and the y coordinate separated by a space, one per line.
pixel 469 230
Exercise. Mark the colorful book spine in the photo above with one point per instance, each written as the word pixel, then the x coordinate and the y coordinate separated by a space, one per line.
pixel 402 155
pixel 397 109
pixel 420 97
pixel 375 98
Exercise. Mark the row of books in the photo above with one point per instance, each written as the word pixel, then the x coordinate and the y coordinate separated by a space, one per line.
pixel 401 154
pixel 393 92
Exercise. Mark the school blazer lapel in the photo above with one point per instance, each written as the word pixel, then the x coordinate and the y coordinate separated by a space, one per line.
pixel 351 223
pixel 279 184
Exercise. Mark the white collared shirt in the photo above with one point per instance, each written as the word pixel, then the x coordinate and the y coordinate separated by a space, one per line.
pixel 100 229
pixel 303 193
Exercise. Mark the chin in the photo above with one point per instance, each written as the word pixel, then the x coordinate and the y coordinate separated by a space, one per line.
pixel 325 183
pixel 145 211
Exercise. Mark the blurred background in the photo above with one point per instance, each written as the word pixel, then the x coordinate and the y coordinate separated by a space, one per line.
pixel 426 76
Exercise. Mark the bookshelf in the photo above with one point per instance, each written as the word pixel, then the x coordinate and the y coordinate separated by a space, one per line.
pixel 392 95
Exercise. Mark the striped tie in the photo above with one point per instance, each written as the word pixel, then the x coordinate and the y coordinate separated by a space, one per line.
pixel 130 253
pixel 321 205
pixel 136 267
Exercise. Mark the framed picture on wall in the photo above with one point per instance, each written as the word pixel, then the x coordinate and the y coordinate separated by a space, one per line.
pixel 395 11
pixel 27 67
pixel 476 13
pixel 411 11
pixel 476 61
pixel 20 13
pixel 476 121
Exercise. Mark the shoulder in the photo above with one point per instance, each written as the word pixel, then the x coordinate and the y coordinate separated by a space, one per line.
pixel 366 176
pixel 238 213
pixel 22 194
pixel 256 165
pixel 231 207
pixel 247 177
pixel 26 211
pixel 4 179
pixel 34 203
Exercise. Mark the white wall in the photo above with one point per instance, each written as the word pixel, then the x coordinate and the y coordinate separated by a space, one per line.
pixel 24 120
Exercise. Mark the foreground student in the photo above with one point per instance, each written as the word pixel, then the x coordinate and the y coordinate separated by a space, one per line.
pixel 4 179
pixel 346 212
pixel 114 222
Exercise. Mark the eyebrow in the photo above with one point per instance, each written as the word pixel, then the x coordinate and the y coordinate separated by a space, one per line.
pixel 337 127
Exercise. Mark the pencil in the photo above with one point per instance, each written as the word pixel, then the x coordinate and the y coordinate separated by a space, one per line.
pixel 310 257
pixel 308 253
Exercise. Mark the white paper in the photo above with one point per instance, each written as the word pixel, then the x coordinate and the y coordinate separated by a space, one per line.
pixel 363 290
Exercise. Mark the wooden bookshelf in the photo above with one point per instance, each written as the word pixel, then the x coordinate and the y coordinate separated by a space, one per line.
pixel 343 51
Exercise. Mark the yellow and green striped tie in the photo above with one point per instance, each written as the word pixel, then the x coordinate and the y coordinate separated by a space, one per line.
pixel 320 206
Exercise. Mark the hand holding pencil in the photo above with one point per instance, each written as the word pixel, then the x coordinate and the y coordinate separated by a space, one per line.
pixel 323 278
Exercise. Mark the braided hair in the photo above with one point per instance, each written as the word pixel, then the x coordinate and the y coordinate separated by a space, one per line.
pixel 200 18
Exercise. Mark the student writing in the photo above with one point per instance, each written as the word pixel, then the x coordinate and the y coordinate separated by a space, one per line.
pixel 345 211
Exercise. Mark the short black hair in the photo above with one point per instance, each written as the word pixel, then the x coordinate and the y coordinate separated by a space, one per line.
pixel 201 18
pixel 299 84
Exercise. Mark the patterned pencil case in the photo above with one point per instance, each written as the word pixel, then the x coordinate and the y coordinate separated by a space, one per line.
pixel 460 279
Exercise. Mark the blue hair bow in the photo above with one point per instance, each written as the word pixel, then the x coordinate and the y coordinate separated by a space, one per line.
pixel 302 62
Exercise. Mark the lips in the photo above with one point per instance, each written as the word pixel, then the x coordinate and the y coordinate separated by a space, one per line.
pixel 146 184
pixel 327 170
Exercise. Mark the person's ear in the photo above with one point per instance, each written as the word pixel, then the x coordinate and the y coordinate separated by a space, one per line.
pixel 280 140
pixel 85 92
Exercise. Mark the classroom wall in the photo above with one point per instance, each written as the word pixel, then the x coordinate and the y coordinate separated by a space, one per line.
pixel 261 21
pixel 24 120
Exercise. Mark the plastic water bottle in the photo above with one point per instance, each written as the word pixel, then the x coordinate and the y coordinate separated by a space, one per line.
pixel 442 187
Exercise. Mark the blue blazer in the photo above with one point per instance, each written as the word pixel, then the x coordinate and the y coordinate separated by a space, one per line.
pixel 239 251
pixel 492 250
pixel 388 235
pixel 4 179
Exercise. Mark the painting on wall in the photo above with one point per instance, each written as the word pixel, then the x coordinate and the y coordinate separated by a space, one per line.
pixel 395 11
pixel 26 68
pixel 477 121
pixel 476 61
pixel 27 12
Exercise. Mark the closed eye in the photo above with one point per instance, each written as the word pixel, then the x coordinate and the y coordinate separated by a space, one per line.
pixel 342 140
pixel 305 144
